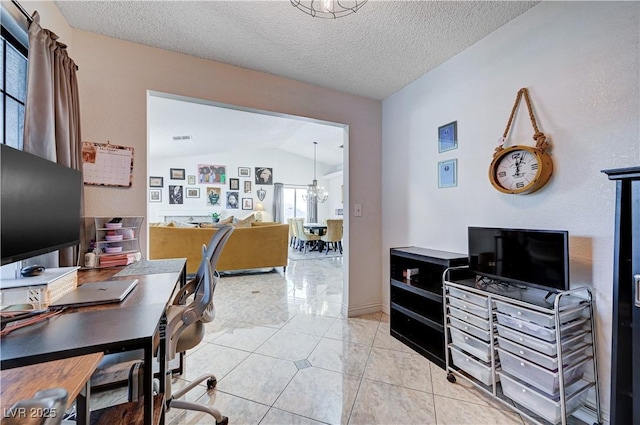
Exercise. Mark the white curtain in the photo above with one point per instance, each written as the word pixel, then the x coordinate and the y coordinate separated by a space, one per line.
pixel 52 110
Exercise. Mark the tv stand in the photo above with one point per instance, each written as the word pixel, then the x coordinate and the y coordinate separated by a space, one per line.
pixel 416 298
pixel 534 354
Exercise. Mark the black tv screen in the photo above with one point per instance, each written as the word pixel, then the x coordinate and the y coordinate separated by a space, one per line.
pixel 528 257
pixel 39 205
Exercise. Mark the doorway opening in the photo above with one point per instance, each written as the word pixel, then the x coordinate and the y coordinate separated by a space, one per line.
pixel 189 133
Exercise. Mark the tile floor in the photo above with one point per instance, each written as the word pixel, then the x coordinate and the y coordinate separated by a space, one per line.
pixel 283 354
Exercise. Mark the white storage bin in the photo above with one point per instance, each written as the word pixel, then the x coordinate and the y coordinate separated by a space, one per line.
pixel 471 345
pixel 543 406
pixel 542 319
pixel 470 329
pixel 479 370
pixel 479 322
pixel 469 307
pixel 539 377
pixel 548 362
pixel 480 300
pixel 546 334
pixel 548 348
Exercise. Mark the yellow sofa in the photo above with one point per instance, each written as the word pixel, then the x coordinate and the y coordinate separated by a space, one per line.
pixel 263 245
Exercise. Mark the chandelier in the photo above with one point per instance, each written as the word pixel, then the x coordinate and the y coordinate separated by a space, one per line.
pixel 328 9
pixel 314 192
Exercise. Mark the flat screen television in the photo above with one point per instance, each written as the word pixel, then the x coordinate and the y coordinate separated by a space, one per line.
pixel 538 258
pixel 39 205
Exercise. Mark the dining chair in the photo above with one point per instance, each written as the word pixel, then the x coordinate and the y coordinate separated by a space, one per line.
pixel 304 238
pixel 333 236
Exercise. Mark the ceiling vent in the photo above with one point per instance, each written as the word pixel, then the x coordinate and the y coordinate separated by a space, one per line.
pixel 178 138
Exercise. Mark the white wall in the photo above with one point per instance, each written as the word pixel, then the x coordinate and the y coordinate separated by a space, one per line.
pixel 580 61
pixel 288 169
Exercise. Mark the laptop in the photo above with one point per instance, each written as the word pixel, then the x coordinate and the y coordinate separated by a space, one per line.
pixel 94 293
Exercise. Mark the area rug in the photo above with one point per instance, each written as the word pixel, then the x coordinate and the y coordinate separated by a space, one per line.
pixel 295 255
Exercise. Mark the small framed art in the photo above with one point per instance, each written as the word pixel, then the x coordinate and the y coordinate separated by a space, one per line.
pixel 191 179
pixel 192 192
pixel 247 186
pixel 155 195
pixel 234 184
pixel 176 173
pixel 244 172
pixel 448 173
pixel 448 137
pixel 247 203
pixel 156 181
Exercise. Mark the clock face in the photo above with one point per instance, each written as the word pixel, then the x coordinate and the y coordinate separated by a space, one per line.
pixel 517 169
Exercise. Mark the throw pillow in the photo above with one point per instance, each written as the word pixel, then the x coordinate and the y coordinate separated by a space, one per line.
pixel 227 220
pixel 246 222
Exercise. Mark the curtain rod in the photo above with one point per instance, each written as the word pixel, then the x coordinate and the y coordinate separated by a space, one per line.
pixel 22 10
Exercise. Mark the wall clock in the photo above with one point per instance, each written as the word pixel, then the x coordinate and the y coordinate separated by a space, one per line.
pixel 521 169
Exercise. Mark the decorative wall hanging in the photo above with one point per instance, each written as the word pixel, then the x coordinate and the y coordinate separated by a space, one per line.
pixel 521 169
pixel 234 184
pixel 193 192
pixel 448 173
pixel 213 196
pixel 233 200
pixel 264 175
pixel 261 194
pixel 191 179
pixel 156 181
pixel 176 173
pixel 175 195
pixel 247 203
pixel 155 195
pixel 104 164
pixel 448 137
pixel 212 173
pixel 244 172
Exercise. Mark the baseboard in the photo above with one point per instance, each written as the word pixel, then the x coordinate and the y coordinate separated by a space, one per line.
pixel 361 310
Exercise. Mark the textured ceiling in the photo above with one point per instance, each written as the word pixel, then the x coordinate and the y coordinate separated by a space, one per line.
pixel 373 53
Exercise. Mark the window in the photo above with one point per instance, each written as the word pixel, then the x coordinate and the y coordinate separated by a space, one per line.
pixel 13 57
pixel 294 205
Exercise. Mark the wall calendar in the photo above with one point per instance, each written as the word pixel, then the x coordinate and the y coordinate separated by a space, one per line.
pixel 104 164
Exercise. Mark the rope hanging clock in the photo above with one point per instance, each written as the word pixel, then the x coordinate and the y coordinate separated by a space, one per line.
pixel 521 169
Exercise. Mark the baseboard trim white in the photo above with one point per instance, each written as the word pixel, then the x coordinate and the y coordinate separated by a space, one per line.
pixel 361 310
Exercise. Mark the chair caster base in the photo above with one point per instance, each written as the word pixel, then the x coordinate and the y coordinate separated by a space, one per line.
pixel 224 421
pixel 211 383
pixel 451 378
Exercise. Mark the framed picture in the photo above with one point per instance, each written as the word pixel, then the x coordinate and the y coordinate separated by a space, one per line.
pixel 247 203
pixel 448 137
pixel 213 196
pixel 234 184
pixel 247 186
pixel 244 172
pixel 448 173
pixel 191 179
pixel 155 195
pixel 193 192
pixel 212 173
pixel 264 175
pixel 233 200
pixel 176 173
pixel 156 181
pixel 175 195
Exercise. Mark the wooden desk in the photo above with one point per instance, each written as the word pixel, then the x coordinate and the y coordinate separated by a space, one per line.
pixel 72 374
pixel 135 323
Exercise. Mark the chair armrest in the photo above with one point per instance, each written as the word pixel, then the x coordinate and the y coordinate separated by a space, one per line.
pixel 185 292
